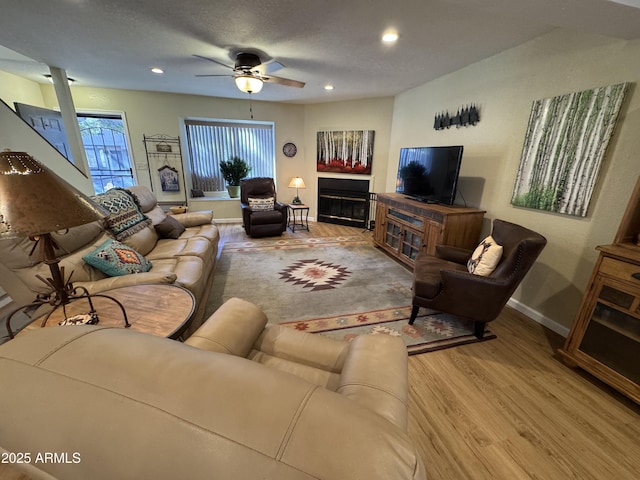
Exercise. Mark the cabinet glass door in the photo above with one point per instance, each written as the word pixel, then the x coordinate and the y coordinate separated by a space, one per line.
pixel 613 334
pixel 392 235
pixel 411 244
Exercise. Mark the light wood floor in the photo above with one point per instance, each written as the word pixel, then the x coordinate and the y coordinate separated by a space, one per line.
pixel 508 409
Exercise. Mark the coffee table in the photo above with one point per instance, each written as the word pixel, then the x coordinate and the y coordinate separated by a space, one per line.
pixel 162 310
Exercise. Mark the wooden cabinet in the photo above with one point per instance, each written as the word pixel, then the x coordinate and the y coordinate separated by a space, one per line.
pixel 407 227
pixel 605 336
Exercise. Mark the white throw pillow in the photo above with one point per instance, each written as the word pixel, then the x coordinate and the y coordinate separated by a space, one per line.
pixel 261 204
pixel 485 258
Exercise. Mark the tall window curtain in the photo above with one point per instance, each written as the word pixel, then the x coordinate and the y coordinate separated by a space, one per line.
pixel 210 142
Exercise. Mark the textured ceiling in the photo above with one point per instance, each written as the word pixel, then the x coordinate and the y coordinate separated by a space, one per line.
pixel 113 43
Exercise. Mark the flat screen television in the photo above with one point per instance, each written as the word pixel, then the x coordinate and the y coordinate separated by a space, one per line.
pixel 429 174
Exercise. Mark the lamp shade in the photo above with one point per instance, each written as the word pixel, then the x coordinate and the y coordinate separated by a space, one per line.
pixel 35 201
pixel 297 182
pixel 248 83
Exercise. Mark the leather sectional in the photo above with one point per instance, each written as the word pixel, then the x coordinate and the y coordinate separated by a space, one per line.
pixel 241 400
pixel 187 261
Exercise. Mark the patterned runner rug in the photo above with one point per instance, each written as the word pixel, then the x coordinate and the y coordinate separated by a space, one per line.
pixel 428 333
pixel 335 286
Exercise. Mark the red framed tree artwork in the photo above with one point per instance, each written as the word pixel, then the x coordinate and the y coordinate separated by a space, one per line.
pixel 345 151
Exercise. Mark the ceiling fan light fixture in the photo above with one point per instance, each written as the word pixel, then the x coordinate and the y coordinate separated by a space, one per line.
pixel 248 83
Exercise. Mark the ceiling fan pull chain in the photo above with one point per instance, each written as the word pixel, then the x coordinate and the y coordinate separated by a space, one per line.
pixel 250 106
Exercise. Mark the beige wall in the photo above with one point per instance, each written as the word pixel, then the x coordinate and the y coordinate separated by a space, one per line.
pixel 17 89
pixel 371 114
pixel 504 87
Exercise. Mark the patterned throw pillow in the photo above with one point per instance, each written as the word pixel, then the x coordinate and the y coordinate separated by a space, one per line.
pixel 125 215
pixel 114 259
pixel 485 258
pixel 261 204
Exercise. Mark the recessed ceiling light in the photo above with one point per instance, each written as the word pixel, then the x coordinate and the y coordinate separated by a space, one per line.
pixel 390 36
pixel 157 70
pixel 328 87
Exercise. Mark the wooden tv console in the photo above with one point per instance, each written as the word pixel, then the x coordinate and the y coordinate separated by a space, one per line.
pixel 406 227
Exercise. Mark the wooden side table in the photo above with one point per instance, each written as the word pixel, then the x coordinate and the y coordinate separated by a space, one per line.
pixel 162 310
pixel 301 220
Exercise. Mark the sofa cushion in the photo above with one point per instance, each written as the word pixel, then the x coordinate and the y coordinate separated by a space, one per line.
pixel 125 215
pixel 189 271
pixel 115 259
pixel 266 218
pixel 143 241
pixel 156 214
pixel 169 228
pixel 77 237
pixel 194 219
pixel 74 266
pixel 194 246
pixel 208 231
pixel 146 198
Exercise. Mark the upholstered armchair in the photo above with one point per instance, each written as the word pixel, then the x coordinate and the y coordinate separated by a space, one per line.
pixel 442 282
pixel 262 214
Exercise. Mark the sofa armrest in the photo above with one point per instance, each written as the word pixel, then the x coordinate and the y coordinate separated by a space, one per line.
pixel 109 283
pixel 302 348
pixel 193 219
pixel 233 328
pixel 375 375
pixel 453 254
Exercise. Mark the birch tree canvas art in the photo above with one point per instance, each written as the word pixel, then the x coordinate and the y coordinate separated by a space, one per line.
pixel 347 151
pixel 564 146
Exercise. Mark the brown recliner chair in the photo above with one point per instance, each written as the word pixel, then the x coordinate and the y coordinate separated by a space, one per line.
pixel 261 223
pixel 443 282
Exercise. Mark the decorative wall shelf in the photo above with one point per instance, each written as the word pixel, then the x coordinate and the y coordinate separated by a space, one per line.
pixel 166 168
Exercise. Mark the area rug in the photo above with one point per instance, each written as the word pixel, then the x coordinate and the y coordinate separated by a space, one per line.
pixel 336 286
pixel 428 333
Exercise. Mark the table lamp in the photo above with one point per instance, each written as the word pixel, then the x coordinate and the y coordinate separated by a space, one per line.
pixel 297 182
pixel 34 202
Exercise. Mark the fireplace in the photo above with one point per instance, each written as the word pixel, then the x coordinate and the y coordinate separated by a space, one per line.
pixel 344 201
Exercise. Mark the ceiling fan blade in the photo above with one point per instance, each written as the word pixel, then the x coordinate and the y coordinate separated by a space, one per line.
pixel 268 67
pixel 282 81
pixel 214 61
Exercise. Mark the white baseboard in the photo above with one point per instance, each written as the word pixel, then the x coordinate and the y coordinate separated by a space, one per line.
pixel 239 220
pixel 227 220
pixel 538 317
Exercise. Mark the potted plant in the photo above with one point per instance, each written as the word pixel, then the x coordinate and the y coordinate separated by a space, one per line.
pixel 414 177
pixel 234 170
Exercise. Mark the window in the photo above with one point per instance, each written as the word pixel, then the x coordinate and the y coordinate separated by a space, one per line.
pixel 105 145
pixel 211 141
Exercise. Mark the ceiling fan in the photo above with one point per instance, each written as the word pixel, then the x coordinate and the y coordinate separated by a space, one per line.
pixel 250 73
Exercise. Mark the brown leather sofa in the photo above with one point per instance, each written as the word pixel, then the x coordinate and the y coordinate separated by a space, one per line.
pixel 261 223
pixel 241 400
pixel 187 261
